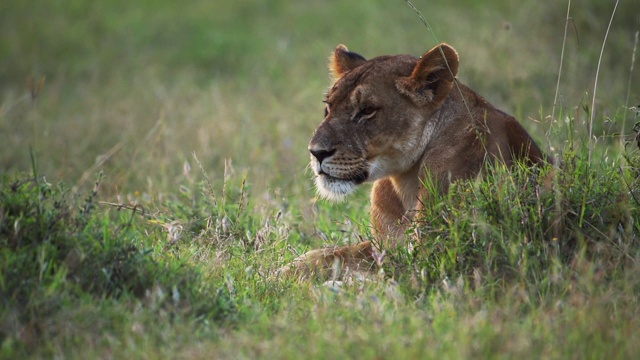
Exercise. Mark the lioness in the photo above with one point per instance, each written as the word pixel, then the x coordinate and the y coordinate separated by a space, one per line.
pixel 394 120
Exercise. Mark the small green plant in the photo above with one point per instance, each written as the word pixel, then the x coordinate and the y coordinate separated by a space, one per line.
pixel 57 252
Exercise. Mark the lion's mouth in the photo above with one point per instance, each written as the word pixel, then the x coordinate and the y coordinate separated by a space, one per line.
pixel 358 178
pixel 337 189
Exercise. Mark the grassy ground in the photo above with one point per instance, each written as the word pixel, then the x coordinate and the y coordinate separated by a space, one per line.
pixel 158 176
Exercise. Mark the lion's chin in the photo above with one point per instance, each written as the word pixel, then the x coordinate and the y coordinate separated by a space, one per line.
pixel 334 189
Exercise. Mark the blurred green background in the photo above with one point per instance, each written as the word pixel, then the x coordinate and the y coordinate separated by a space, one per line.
pixel 135 88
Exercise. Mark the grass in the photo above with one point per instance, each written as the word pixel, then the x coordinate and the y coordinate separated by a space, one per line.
pixel 156 180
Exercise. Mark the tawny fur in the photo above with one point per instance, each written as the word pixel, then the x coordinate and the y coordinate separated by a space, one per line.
pixel 395 120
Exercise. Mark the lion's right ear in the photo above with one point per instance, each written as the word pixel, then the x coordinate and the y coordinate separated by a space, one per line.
pixel 433 76
pixel 342 61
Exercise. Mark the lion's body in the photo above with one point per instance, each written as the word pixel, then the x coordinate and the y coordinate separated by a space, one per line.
pixel 464 141
pixel 394 120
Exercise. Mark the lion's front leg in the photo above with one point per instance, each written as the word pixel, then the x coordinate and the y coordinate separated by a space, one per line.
pixel 332 263
pixel 387 214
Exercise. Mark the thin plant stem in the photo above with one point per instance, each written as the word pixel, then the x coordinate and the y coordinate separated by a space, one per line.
pixel 595 83
pixel 426 23
pixel 626 102
pixel 555 98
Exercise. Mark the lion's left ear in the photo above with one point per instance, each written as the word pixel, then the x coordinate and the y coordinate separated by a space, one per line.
pixel 342 61
pixel 433 76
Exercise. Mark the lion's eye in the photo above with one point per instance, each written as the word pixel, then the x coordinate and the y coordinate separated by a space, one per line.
pixel 367 112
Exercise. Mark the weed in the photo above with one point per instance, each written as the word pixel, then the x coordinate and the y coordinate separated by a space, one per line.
pixel 55 252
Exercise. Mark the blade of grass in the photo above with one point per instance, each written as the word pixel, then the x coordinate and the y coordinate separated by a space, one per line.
pixel 595 83
pixel 555 97
pixel 633 61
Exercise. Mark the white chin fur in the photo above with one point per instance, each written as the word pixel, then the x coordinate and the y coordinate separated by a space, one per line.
pixel 334 189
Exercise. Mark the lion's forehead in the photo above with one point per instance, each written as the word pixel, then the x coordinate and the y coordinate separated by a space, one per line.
pixel 370 76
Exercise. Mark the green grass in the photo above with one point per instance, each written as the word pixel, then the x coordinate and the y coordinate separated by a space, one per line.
pixel 158 178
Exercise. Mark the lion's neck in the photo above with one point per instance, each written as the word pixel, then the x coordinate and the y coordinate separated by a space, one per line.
pixel 407 185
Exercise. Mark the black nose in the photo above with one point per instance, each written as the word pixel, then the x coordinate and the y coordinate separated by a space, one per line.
pixel 322 154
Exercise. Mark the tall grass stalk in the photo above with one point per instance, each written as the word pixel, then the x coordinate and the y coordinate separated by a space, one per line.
pixel 426 23
pixel 595 83
pixel 555 97
pixel 633 61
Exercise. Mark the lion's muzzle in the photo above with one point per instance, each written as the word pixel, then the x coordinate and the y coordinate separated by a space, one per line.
pixel 337 174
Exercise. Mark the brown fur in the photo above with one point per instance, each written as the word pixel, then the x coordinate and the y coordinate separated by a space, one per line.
pixel 388 120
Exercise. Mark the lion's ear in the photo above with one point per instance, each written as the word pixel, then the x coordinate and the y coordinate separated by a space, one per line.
pixel 433 77
pixel 342 61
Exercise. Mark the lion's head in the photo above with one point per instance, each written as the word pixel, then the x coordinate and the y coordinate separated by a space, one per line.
pixel 379 116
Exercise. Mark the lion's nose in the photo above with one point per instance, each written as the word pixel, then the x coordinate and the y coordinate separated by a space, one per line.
pixel 322 154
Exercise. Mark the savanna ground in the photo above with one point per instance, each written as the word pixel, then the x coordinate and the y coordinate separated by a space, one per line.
pixel 153 162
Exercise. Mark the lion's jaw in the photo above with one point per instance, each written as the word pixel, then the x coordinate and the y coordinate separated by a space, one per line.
pixel 334 181
pixel 334 189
